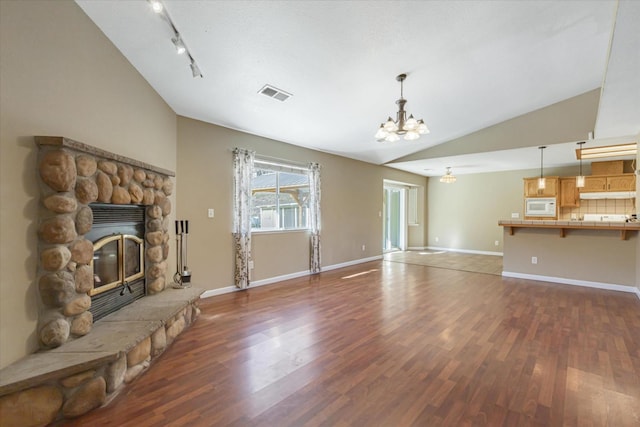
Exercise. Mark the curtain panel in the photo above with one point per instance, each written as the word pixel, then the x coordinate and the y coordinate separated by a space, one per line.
pixel 314 217
pixel 242 175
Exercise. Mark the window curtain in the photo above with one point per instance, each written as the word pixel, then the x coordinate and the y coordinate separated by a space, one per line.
pixel 314 217
pixel 242 174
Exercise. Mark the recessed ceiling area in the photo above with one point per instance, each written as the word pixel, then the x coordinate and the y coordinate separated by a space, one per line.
pixel 470 65
pixel 555 156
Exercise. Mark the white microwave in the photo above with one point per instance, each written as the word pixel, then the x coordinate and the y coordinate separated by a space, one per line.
pixel 540 206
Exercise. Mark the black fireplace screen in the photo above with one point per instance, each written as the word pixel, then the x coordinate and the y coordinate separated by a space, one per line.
pixel 117 234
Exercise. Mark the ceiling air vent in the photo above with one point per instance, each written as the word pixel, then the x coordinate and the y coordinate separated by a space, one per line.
pixel 274 92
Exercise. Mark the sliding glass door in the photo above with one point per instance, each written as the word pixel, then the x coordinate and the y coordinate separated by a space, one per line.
pixel 394 233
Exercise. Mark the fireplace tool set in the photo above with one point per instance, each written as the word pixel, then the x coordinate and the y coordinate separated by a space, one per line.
pixel 182 278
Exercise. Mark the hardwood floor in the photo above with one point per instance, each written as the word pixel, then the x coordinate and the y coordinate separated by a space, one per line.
pixel 393 344
pixel 490 264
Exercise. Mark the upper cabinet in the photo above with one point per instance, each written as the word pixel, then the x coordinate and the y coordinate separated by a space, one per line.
pixel 594 183
pixel 531 187
pixel 621 182
pixel 569 195
pixel 624 182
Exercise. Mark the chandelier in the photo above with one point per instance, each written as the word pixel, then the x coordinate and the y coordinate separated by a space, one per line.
pixel 411 128
pixel 448 178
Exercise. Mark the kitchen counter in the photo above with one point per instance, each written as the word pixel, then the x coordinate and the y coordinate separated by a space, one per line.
pixel 594 253
pixel 562 226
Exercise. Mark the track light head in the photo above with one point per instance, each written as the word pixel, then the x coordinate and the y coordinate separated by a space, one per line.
pixel 156 6
pixel 180 47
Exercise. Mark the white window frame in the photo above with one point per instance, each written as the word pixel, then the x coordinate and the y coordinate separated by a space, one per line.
pixel 278 166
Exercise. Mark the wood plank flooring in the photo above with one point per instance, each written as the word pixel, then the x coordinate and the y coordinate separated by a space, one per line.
pixel 393 344
pixel 478 263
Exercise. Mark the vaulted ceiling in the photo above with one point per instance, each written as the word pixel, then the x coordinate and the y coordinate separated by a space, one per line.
pixel 470 64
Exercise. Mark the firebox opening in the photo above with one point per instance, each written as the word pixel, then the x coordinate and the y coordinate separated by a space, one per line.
pixel 118 258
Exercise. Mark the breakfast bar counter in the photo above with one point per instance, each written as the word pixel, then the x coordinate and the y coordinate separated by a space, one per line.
pixel 593 253
pixel 563 226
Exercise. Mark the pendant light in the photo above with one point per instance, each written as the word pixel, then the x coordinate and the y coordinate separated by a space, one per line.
pixel 448 177
pixel 580 178
pixel 541 181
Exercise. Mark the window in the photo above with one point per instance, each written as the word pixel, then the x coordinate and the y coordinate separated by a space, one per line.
pixel 279 197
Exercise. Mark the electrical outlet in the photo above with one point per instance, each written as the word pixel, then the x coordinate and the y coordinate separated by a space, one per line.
pixel 534 260
pixel 210 213
pixel 515 215
pixel 437 239
pixel 250 265
pixel 497 243
pixel 364 248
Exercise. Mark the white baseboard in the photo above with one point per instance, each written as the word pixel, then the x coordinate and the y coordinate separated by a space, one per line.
pixel 254 284
pixel 350 263
pixel 218 291
pixel 465 251
pixel 574 282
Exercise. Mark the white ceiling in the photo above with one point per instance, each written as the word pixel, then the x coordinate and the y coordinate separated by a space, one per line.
pixel 469 64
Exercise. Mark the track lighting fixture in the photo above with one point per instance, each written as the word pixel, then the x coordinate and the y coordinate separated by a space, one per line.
pixel 178 42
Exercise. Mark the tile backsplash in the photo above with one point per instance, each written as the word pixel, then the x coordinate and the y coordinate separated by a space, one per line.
pixel 605 206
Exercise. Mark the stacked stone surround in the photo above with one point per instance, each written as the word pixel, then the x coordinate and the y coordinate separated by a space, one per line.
pixel 73 175
pixel 82 365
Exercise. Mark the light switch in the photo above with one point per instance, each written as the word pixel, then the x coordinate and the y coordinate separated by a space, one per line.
pixel 210 213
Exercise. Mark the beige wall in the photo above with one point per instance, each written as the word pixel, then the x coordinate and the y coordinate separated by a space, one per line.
pixel 351 202
pixel 583 255
pixel 465 215
pixel 60 76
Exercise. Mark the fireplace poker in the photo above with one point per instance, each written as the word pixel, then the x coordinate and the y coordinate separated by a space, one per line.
pixel 183 275
pixel 186 274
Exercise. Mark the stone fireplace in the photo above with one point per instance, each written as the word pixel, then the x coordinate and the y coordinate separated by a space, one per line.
pixel 102 254
pixel 98 211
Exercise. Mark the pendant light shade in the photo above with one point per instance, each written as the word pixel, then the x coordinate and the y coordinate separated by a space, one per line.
pixel 448 178
pixel 542 183
pixel 580 178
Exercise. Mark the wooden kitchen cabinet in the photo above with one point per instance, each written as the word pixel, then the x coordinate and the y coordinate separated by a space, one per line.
pixel 569 194
pixel 550 190
pixel 624 182
pixel 594 183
